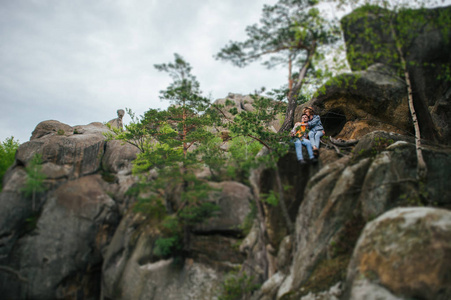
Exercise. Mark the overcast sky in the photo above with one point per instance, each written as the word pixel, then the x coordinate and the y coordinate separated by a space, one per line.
pixel 79 61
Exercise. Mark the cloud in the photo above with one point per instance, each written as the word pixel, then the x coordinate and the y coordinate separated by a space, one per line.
pixel 79 61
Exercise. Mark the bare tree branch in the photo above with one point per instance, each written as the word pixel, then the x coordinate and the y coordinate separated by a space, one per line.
pixel 13 272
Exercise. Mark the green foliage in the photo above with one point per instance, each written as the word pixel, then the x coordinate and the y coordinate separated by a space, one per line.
pixel 213 156
pixel 136 133
pixel 242 157
pixel 254 124
pixel 108 177
pixel 8 150
pixel 250 132
pixel 238 286
pixel 379 145
pixel 286 30
pixel 271 198
pixel 175 143
pixel 152 207
pixel 333 268
pixel 249 220
pixel 290 33
pixel 31 222
pixel 404 22
pixel 167 247
pixel 34 184
pixel 416 197
pixel 60 132
pixel 194 214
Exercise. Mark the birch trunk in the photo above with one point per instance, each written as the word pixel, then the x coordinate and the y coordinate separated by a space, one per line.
pixel 421 164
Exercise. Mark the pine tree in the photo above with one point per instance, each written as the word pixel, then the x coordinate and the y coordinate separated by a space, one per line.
pixel 290 33
pixel 254 125
pixel 167 140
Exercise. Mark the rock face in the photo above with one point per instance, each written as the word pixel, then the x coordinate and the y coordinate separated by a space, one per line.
pixel 391 254
pixel 59 247
pixel 362 102
pixel 428 51
pixel 84 241
pixel 239 103
pixel 364 226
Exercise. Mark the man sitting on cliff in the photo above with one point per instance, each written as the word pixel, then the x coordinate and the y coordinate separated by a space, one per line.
pixel 299 132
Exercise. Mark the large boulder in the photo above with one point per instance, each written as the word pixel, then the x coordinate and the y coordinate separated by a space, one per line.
pixel 237 103
pixel 403 254
pixel 69 156
pixel 86 183
pixel 62 252
pixel 15 209
pixel 131 270
pixel 358 103
pixel 426 53
pixel 342 196
pixel 118 157
pixel 233 199
pixel 391 178
pixel 329 203
pixel 51 127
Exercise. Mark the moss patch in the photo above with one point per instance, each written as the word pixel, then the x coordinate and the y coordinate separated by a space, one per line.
pixel 329 271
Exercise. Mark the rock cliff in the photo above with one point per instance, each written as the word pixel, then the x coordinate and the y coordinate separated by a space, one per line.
pixel 365 228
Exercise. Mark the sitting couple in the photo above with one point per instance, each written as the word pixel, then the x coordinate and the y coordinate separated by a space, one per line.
pixel 307 133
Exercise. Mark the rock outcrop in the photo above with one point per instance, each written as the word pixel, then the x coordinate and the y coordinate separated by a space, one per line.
pixel 238 103
pixel 59 246
pixel 83 240
pixel 389 258
pixel 365 227
pixel 361 102
pixel 426 53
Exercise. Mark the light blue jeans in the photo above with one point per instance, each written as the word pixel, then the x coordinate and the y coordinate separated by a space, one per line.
pixel 315 137
pixel 298 145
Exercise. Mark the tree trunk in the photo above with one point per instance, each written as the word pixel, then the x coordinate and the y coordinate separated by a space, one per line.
pixel 421 164
pixel 290 75
pixel 293 94
pixel 185 147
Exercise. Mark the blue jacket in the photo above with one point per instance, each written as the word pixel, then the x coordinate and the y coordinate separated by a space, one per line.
pixel 315 124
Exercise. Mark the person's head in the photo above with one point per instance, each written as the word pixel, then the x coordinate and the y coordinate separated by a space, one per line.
pixel 120 113
pixel 304 118
pixel 309 111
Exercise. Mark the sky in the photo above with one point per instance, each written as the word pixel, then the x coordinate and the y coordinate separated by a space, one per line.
pixel 80 61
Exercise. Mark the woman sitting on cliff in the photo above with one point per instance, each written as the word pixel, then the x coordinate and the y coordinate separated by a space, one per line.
pixel 316 130
pixel 299 132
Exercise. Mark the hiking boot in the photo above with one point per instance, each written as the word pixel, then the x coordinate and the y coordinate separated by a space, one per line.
pixel 314 160
pixel 302 162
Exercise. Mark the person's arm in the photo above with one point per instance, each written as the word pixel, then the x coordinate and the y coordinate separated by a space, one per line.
pixel 314 121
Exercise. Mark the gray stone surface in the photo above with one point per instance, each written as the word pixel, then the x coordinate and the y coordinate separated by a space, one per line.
pixel 117 122
pixel 63 253
pixel 405 251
